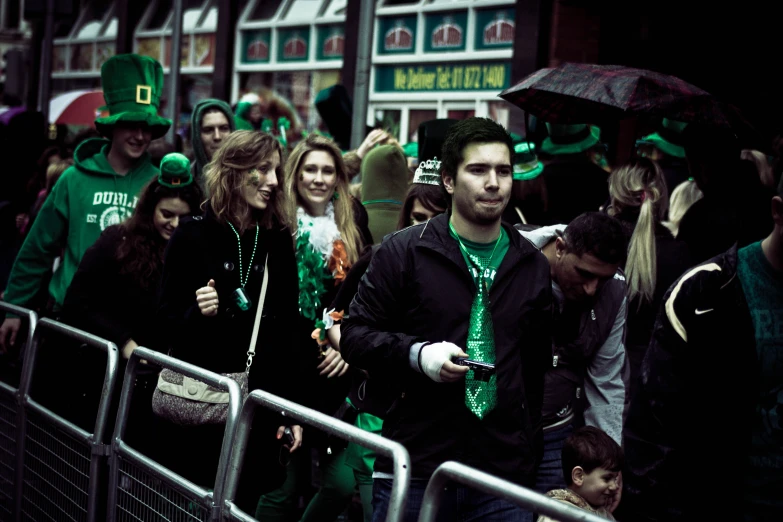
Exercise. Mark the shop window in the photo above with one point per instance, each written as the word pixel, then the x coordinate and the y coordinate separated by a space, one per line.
pixel 389 120
pixel 159 16
pixel 460 114
pixel 111 29
pixel 508 115
pixel 92 20
pixel 264 10
pixel 336 8
pixel 415 118
pixel 303 10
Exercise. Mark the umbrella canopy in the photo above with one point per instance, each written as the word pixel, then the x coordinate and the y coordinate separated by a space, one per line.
pixel 586 93
pixel 9 112
pixel 76 107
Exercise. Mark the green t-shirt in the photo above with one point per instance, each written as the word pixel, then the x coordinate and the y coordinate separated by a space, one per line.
pixel 763 289
pixel 483 251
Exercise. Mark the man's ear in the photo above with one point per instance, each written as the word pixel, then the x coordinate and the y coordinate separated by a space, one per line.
pixel 777 211
pixel 578 476
pixel 448 182
pixel 560 247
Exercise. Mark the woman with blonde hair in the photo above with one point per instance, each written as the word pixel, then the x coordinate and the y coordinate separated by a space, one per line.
pixel 330 233
pixel 211 286
pixel 686 194
pixel 639 199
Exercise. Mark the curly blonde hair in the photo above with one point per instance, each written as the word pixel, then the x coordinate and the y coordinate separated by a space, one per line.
pixel 225 178
pixel 343 206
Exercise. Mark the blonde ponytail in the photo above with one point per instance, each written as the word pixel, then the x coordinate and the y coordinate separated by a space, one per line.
pixel 640 185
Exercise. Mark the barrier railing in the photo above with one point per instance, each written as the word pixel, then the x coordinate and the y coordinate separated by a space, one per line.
pixel 325 423
pixel 58 474
pixel 497 487
pixel 142 489
pixel 11 418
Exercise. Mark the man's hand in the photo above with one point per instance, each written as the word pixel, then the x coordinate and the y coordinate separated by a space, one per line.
pixel 333 364
pixel 8 332
pixel 297 431
pixel 436 362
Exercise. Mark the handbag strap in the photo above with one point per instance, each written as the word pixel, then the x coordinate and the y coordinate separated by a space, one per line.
pixel 251 351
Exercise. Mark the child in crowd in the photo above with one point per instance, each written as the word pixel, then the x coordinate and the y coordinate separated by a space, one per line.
pixel 592 461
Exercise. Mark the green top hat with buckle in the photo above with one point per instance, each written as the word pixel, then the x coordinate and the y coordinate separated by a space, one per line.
pixel 175 171
pixel 526 163
pixel 668 139
pixel 132 85
pixel 570 138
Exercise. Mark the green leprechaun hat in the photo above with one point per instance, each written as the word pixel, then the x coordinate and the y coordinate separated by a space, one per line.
pixel 526 163
pixel 132 85
pixel 668 139
pixel 570 139
pixel 175 171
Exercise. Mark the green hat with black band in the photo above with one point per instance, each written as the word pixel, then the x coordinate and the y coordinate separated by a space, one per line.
pixel 668 139
pixel 175 171
pixel 570 138
pixel 132 85
pixel 526 163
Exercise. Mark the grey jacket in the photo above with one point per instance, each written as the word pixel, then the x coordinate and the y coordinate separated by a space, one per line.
pixel 589 375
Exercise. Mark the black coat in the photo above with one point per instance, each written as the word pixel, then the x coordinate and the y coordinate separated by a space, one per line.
pixel 574 186
pixel 695 409
pixel 107 303
pixel 418 288
pixel 203 249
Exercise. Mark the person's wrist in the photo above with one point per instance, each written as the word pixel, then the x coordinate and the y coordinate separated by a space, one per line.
pixel 418 361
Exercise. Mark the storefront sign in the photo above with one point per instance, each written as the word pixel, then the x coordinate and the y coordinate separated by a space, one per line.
pixel 397 35
pixel 495 28
pixel 294 44
pixel 255 46
pixel 331 42
pixel 452 77
pixel 446 32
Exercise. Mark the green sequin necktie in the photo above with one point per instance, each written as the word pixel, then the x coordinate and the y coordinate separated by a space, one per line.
pixel 480 396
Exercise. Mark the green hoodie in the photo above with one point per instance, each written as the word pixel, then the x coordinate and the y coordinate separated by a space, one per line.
pixel 210 104
pixel 241 119
pixel 384 187
pixel 87 198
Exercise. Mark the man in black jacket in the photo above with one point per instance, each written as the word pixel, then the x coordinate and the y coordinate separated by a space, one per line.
pixel 432 293
pixel 704 437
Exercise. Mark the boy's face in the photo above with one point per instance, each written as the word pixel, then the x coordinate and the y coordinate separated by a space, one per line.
pixel 597 487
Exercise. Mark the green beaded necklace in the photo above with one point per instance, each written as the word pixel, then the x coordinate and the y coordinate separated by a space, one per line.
pixel 252 256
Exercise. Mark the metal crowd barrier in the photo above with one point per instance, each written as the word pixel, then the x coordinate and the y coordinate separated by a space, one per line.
pixel 491 485
pixel 59 466
pixel 140 489
pixel 11 417
pixel 327 424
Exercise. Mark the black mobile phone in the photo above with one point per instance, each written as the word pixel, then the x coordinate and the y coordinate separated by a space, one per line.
pixel 288 437
pixel 481 370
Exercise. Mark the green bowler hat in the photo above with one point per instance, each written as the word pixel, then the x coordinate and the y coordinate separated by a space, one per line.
pixel 132 85
pixel 570 139
pixel 175 171
pixel 526 163
pixel 668 139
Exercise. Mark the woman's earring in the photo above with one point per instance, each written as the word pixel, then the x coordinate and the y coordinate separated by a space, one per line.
pixel 335 196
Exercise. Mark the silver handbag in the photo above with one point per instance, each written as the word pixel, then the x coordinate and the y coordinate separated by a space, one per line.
pixel 190 402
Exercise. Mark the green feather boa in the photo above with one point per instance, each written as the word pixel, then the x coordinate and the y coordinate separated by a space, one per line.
pixel 312 277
